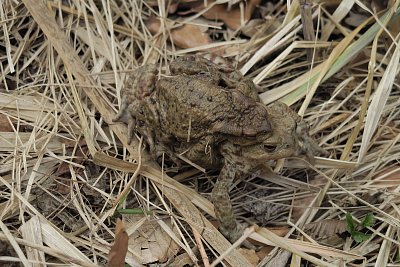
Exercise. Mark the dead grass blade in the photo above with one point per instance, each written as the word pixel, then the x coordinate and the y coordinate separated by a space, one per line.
pixel 300 247
pixel 301 86
pixel 379 99
pixel 31 231
pixel 14 244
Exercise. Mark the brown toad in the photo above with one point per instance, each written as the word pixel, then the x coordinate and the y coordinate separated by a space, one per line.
pixel 212 115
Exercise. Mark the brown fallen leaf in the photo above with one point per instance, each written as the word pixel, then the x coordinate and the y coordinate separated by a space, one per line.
pixel 232 18
pixel 280 259
pixel 301 204
pixel 252 27
pixel 63 187
pixel 250 255
pixel 117 254
pixel 151 241
pixel 326 228
pixel 265 250
pixel 393 27
pixel 173 5
pixel 355 19
pixel 187 36
pixel 79 158
pixel 5 125
pixel 358 14
pixel 388 178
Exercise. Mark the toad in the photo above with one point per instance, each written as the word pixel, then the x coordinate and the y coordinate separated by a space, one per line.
pixel 212 115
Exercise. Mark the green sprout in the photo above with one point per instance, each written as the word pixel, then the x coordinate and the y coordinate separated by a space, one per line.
pixel 352 226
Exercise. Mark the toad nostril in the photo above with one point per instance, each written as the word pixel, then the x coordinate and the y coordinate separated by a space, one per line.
pixel 222 83
pixel 285 146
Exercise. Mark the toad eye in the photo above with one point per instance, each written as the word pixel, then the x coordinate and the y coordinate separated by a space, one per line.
pixel 269 147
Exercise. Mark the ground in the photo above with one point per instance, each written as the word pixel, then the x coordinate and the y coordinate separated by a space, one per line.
pixel 67 171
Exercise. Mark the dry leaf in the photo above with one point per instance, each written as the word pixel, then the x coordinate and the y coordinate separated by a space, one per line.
pixel 172 5
pixel 150 241
pixel 355 19
pixel 5 125
pixel 252 27
pixel 326 228
pixel 63 187
pixel 187 36
pixel 301 204
pixel 181 260
pixel 388 178
pixel 250 255
pixel 394 27
pixel 117 254
pixel 280 260
pixel 232 18
pixel 265 250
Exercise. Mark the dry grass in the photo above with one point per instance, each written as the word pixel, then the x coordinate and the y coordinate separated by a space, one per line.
pixel 66 169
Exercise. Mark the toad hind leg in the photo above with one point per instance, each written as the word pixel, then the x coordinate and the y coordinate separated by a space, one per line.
pixel 222 203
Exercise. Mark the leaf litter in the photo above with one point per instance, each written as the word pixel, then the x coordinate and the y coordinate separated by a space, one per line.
pixel 64 164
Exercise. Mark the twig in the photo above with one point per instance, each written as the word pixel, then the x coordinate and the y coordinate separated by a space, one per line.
pixel 200 246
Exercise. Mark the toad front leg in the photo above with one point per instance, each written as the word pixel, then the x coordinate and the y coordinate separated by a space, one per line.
pixel 222 203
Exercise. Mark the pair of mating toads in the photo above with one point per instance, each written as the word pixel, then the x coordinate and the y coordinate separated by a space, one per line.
pixel 212 115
